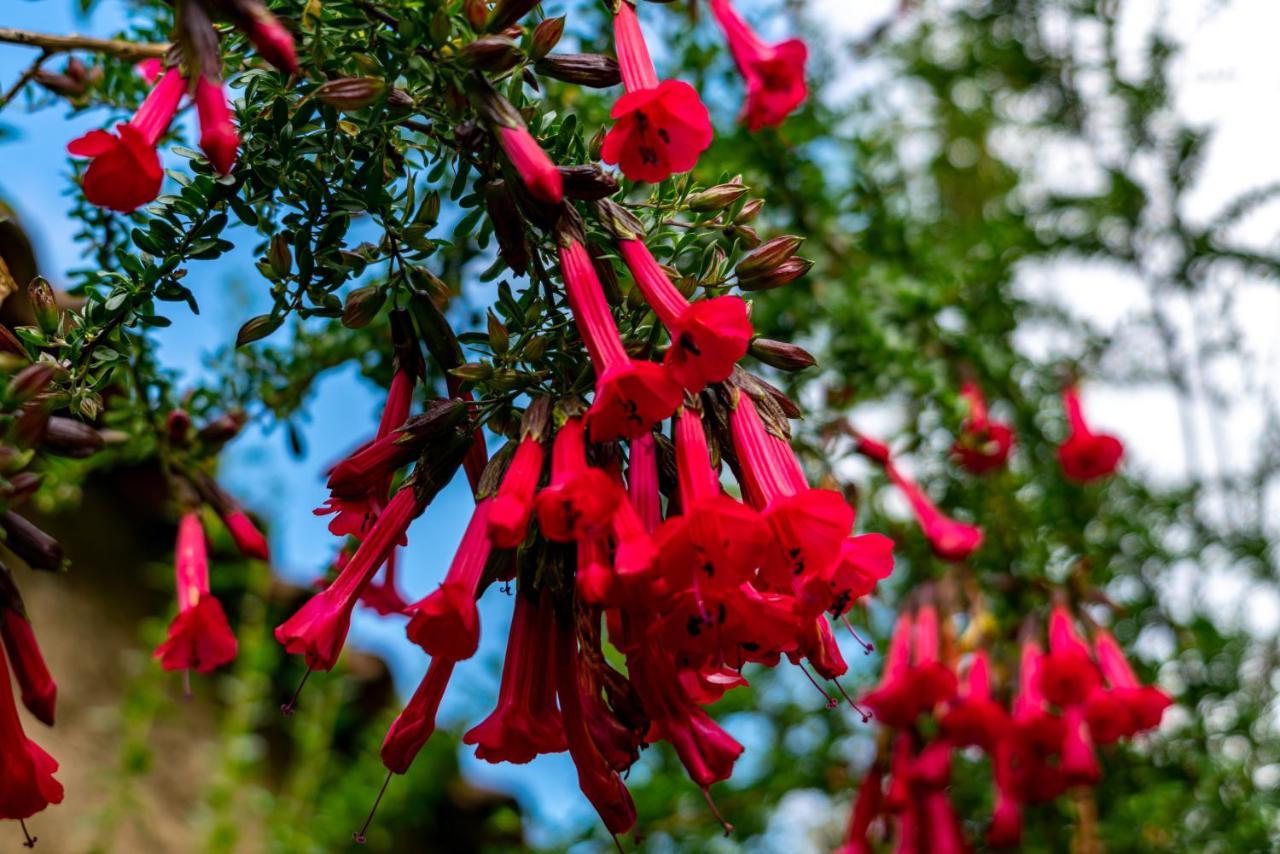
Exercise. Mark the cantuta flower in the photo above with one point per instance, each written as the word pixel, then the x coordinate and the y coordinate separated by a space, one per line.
pixel 866 808
pixel 414 726
pixel 1067 673
pixel 124 171
pixel 659 128
pixel 578 502
pixel 892 700
pixel 1079 759
pixel 632 395
pixel 319 629
pixel 27 785
pixel 248 539
pixel 974 718
pixel 199 637
pixel 707 337
pixel 1125 707
pixel 950 539
pixel 932 682
pixel 264 30
pixel 1005 830
pixel 538 174
pixel 513 504
pixel 983 445
pixel 526 722
pixel 1038 730
pixel 445 622
pixel 774 74
pixel 39 691
pixel 218 137
pixel 1086 455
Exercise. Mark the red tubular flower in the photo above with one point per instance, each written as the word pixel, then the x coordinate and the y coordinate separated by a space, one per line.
pixel 949 539
pixel 774 74
pixel 931 766
pixel 600 783
pixel 707 337
pixel 976 719
pixel 1039 731
pixel 944 835
pixel 218 137
pixel 445 622
pixel 382 594
pixel 532 164
pixel 1006 819
pixel 579 501
pixel 27 785
pixel 715 541
pixel 414 725
pixel 319 628
pixel 808 525
pixel 983 444
pixel 642 481
pixel 199 637
pixel 659 128
pixel 39 691
pixel 1067 673
pixel 864 561
pixel 526 722
pixel 513 503
pixel 268 35
pixel 892 700
pixel 1126 707
pixel 865 810
pixel 818 645
pixel 124 173
pixel 730 628
pixel 1079 759
pixel 632 395
pixel 249 540
pixel 1086 455
pixel 931 681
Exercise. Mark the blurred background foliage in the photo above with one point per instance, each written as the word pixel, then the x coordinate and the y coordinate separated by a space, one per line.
pixel 923 199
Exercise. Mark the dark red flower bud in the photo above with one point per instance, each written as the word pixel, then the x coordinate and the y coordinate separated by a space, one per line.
pixel 581 69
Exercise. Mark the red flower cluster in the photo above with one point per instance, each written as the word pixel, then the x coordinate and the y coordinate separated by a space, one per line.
pixel 659 128
pixel 774 74
pixel 1067 702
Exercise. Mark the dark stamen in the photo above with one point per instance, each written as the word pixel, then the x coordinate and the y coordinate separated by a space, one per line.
pixel 831 701
pixel 711 805
pixel 30 840
pixel 187 694
pixel 358 836
pixel 867 646
pixel 866 716
pixel 292 706
pixel 618 844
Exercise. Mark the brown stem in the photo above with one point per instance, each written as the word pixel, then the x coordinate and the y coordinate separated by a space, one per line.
pixel 60 44
pixel 23 80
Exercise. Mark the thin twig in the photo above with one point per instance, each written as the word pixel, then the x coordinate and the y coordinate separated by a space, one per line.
pixel 60 44
pixel 31 72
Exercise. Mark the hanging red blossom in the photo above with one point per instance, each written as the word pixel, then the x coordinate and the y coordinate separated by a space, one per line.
pixel 950 539
pixel 199 637
pixel 27 785
pixel 445 622
pixel 774 74
pixel 1086 455
pixel 415 724
pixel 983 444
pixel 39 691
pixel 218 137
pixel 1067 673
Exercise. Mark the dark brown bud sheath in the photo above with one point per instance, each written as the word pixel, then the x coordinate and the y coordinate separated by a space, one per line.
pixel 785 273
pixel 404 342
pixel 507 12
pixel 44 304
pixel 397 97
pixel 545 37
pixel 29 382
pixel 20 487
pixel 770 254
pixel 587 182
pixel 490 53
pixel 781 354
pixel 33 545
pixel 279 256
pixel 67 437
pixel 362 306
pixel 582 69
pixel 9 343
pixel 508 226
pixel 222 429
pixel 716 198
pixel 178 426
pixel 350 94
pixel 749 211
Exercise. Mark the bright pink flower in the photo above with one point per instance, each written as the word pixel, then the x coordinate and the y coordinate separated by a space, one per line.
pixel 319 629
pixel 818 645
pixel 579 501
pixel 943 835
pixel 931 681
pixel 513 503
pixel 707 337
pixel 950 540
pixel 809 526
pixel 642 481
pixel 39 691
pixel 659 128
pixel 729 628
pixel 414 725
pixel 774 74
pixel 975 718
pixel 1006 818
pixel 532 164
pixel 864 561
pixel 218 137
pixel 1125 707
pixel 27 785
pixel 271 39
pixel 199 637
pixel 249 540
pixel 445 622
pixel 983 444
pixel 865 810
pixel 1039 731
pixel 1079 759
pixel 632 395
pixel 1086 455
pixel 893 701
pixel 526 722
pixel 124 173
pixel 1067 673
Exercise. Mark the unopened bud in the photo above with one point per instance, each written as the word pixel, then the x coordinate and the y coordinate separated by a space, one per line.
pixel 476 12
pixel 587 182
pixel 362 306
pixel 782 355
pixel 749 212
pixel 490 53
pixel 10 343
pixel 582 69
pixel 545 37
pixel 715 198
pixel 595 145
pixel 178 426
pixel 785 273
pixel 222 429
pixel 29 382
pixel 744 234
pixel 44 304
pixel 473 371
pixel 279 256
pixel 67 437
pixel 499 340
pixel 22 485
pixel 397 97
pixel 507 12
pixel 534 349
pixel 350 94
pixel 769 255
pixel 28 542
pixel 508 226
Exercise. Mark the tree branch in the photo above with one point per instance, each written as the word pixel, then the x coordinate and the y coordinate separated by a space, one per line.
pixel 60 44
